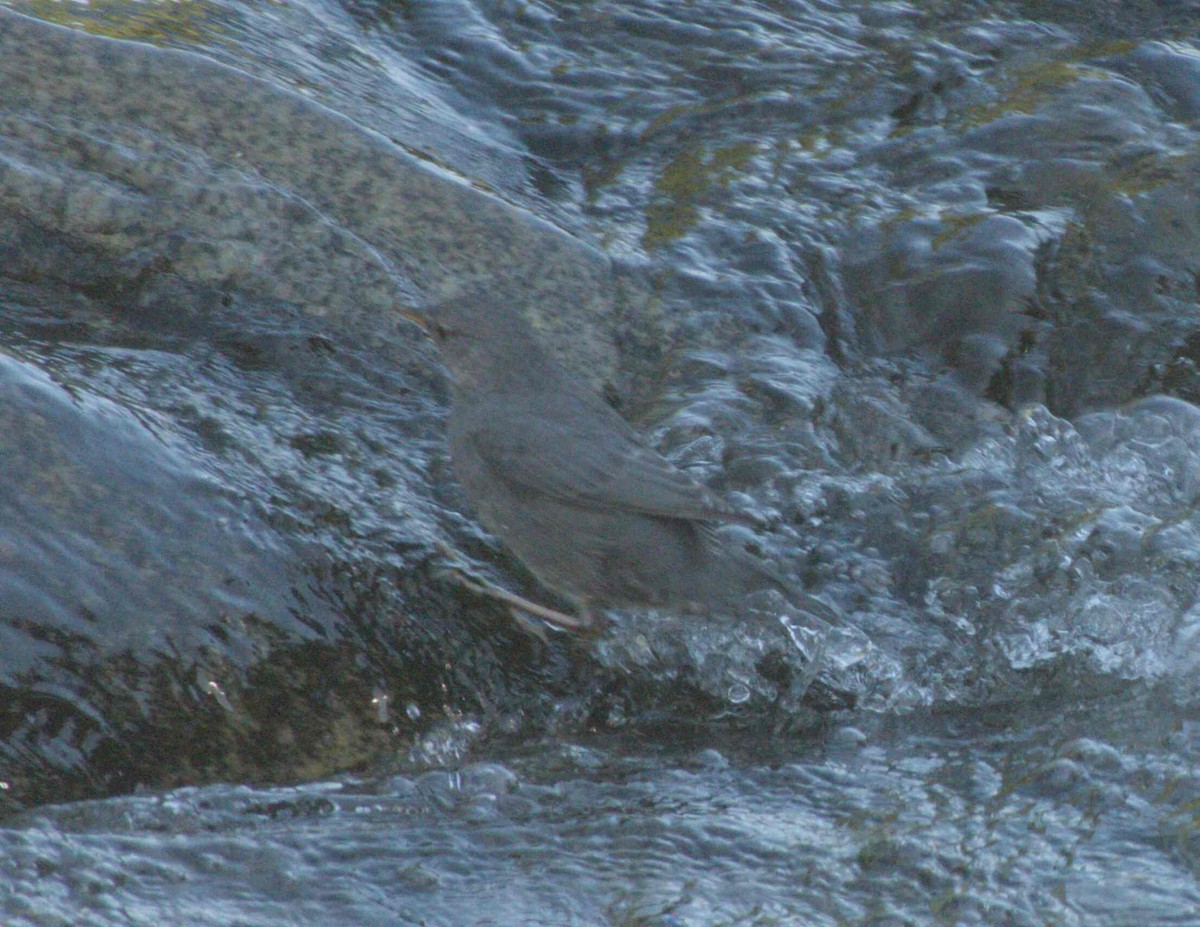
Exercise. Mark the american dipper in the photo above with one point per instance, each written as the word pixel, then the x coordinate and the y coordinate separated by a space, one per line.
pixel 568 485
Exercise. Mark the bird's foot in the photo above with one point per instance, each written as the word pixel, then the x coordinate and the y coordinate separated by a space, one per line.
pixel 518 606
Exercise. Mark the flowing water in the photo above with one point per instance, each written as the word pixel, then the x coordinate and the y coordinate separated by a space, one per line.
pixel 916 283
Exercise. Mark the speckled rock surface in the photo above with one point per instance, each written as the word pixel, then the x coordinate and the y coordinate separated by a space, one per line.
pixel 164 164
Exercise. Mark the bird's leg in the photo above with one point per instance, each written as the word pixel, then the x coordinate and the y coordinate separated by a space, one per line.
pixel 578 624
pixel 552 615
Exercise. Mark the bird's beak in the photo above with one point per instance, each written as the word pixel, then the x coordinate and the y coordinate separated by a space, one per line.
pixel 417 319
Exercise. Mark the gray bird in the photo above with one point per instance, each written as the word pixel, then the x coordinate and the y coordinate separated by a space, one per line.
pixel 568 485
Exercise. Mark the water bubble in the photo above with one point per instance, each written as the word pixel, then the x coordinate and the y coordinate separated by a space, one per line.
pixel 380 701
pixel 214 689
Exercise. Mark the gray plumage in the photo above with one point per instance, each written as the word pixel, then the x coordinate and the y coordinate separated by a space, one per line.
pixel 568 485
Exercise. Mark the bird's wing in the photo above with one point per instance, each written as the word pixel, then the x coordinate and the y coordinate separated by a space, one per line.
pixel 591 463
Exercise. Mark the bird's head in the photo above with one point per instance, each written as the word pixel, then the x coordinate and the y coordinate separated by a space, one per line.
pixel 483 341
